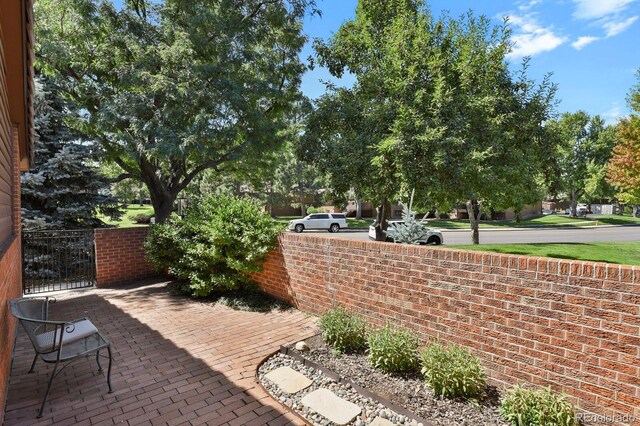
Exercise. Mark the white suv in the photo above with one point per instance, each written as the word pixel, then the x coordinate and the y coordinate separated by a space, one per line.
pixel 332 222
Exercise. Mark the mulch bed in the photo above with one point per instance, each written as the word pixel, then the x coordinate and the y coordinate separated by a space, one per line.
pixel 408 391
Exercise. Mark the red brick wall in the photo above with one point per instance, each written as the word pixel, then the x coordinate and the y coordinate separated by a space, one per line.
pixel 572 325
pixel 10 275
pixel 120 256
pixel 10 287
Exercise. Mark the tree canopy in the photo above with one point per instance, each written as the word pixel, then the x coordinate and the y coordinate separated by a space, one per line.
pixel 172 88
pixel 624 167
pixel 583 148
pixel 443 114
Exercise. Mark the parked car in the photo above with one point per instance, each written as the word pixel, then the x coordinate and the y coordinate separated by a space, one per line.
pixel 431 236
pixel 581 210
pixel 332 222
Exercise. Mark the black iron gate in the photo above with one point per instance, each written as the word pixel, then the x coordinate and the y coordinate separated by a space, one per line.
pixel 57 260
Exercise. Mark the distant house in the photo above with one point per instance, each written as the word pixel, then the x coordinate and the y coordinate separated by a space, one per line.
pixel 16 141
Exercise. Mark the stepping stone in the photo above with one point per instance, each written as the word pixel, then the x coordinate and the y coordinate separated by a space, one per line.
pixel 379 421
pixel 289 380
pixel 331 406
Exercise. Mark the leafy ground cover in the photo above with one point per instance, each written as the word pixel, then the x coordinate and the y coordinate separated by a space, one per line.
pixel 126 221
pixel 622 253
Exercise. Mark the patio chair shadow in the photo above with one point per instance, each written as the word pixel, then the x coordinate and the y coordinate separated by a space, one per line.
pixel 174 362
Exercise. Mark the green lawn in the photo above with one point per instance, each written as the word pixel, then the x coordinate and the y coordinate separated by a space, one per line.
pixel 623 253
pixel 542 221
pixel 126 221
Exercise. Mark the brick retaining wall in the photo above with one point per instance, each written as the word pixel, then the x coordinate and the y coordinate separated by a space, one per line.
pixel 10 288
pixel 120 255
pixel 569 324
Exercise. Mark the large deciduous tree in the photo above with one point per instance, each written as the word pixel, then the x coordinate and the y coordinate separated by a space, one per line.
pixel 175 87
pixel 342 136
pixel 456 124
pixel 583 146
pixel 624 167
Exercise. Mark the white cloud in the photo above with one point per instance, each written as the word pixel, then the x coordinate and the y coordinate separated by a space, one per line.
pixel 596 9
pixel 613 114
pixel 583 41
pixel 528 5
pixel 613 28
pixel 530 38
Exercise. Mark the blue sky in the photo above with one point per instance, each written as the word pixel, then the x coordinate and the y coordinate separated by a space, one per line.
pixel 592 47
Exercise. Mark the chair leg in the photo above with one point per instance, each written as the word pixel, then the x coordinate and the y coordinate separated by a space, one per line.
pixel 98 361
pixel 109 370
pixel 33 364
pixel 46 395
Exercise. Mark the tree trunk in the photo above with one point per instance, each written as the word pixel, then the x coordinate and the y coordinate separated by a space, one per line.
pixel 574 203
pixel 303 205
pixel 162 207
pixel 358 209
pixel 162 202
pixel 383 213
pixel 635 210
pixel 473 208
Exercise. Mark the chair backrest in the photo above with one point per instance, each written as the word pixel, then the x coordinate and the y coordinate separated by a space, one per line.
pixel 33 314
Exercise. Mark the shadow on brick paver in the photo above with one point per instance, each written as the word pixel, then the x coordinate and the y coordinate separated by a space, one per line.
pixel 176 361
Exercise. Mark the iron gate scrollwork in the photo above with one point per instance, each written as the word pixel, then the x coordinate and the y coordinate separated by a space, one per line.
pixel 57 260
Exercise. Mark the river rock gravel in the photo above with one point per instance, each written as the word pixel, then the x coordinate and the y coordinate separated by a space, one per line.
pixel 407 391
pixel 370 408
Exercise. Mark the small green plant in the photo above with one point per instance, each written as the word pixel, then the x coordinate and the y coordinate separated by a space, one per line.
pixel 312 210
pixel 393 349
pixel 452 371
pixel 343 330
pixel 542 407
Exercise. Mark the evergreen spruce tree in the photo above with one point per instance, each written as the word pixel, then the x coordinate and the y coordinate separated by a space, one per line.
pixel 410 231
pixel 62 190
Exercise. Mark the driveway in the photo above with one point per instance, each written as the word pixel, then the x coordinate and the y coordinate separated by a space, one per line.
pixel 519 235
pixel 176 361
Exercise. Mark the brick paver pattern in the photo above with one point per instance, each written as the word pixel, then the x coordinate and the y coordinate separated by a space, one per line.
pixel 176 361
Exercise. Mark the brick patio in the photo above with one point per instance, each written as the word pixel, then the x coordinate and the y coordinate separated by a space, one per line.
pixel 176 361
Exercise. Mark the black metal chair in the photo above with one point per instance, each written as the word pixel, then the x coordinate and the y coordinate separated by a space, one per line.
pixel 58 342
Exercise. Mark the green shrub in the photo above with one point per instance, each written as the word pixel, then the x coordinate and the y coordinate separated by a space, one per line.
pixel 344 331
pixel 528 407
pixel 393 349
pixel 219 242
pixel 452 371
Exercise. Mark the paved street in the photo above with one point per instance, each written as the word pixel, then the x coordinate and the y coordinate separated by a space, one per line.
pixel 540 235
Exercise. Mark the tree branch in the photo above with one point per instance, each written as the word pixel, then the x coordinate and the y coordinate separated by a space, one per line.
pixel 257 9
pixel 121 177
